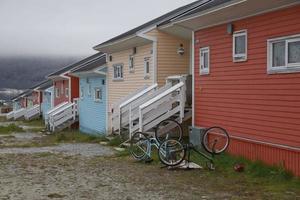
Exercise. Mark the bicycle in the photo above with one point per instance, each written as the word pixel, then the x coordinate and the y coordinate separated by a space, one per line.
pixel 141 144
pixel 215 141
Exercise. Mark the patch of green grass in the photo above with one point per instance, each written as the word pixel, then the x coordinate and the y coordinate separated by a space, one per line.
pixel 10 129
pixel 272 178
pixel 75 136
pixel 115 141
pixel 35 130
pixel 35 122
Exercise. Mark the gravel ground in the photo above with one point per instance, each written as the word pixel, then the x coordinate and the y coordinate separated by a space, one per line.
pixel 46 176
pixel 67 149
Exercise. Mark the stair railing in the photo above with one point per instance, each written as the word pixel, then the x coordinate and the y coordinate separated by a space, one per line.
pixel 162 107
pixel 55 109
pixel 10 115
pixel 33 111
pixel 66 113
pixel 133 108
pixel 125 106
pixel 19 113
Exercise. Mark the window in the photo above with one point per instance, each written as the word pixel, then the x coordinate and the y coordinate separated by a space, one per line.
pixel 284 54
pixel 67 92
pixel 146 68
pixel 131 63
pixel 98 94
pixel 81 92
pixel 57 93
pixel 118 72
pixel 204 61
pixel 240 46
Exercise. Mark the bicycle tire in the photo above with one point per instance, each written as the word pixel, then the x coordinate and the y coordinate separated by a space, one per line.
pixel 176 134
pixel 211 132
pixel 139 141
pixel 167 150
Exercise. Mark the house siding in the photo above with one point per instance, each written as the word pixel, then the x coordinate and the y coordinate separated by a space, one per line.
pixel 132 81
pixel 61 84
pixel 47 102
pixel 169 62
pixel 74 87
pixel 246 100
pixel 92 115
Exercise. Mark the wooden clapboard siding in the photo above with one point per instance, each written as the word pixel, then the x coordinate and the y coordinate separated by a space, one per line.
pixel 168 61
pixel 243 98
pixel 74 87
pixel 92 114
pixel 62 85
pixel 132 80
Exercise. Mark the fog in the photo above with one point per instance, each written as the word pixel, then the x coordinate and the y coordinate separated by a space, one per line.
pixel 71 27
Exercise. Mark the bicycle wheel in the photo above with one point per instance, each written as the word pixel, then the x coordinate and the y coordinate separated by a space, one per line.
pixel 171 152
pixel 139 146
pixel 168 130
pixel 215 140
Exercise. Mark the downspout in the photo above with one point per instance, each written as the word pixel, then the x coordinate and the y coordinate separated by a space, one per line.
pixel 154 48
pixel 193 79
pixel 70 89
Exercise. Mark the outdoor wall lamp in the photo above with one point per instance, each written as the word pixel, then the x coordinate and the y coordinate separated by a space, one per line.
pixel 180 50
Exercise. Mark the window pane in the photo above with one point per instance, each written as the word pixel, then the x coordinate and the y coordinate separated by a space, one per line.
pixel 240 44
pixel 278 54
pixel 294 52
pixel 205 60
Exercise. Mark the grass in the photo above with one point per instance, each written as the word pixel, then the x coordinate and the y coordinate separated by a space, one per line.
pixel 10 129
pixel 35 122
pixel 3 119
pixel 74 136
pixel 273 179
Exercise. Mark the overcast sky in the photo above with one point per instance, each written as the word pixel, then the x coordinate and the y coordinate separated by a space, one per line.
pixel 71 27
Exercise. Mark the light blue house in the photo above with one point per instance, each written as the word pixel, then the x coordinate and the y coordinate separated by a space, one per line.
pixel 93 96
pixel 48 101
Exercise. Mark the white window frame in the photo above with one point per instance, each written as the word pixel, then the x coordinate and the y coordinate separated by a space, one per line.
pixel 121 73
pixel 288 67
pixel 100 93
pixel 131 63
pixel 147 74
pixel 242 57
pixel 204 71
pixel 57 92
pixel 67 92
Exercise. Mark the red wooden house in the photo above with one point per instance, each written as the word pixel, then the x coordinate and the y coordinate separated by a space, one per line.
pixel 66 87
pixel 247 75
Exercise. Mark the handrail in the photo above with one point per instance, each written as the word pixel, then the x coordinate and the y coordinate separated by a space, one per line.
pixel 160 96
pixel 152 87
pixel 57 107
pixel 62 109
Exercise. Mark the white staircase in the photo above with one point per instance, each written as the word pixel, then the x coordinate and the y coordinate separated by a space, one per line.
pixel 18 114
pixel 62 116
pixel 145 110
pixel 33 112
pixel 10 115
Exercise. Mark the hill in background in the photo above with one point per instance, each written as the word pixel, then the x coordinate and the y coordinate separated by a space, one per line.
pixel 22 73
